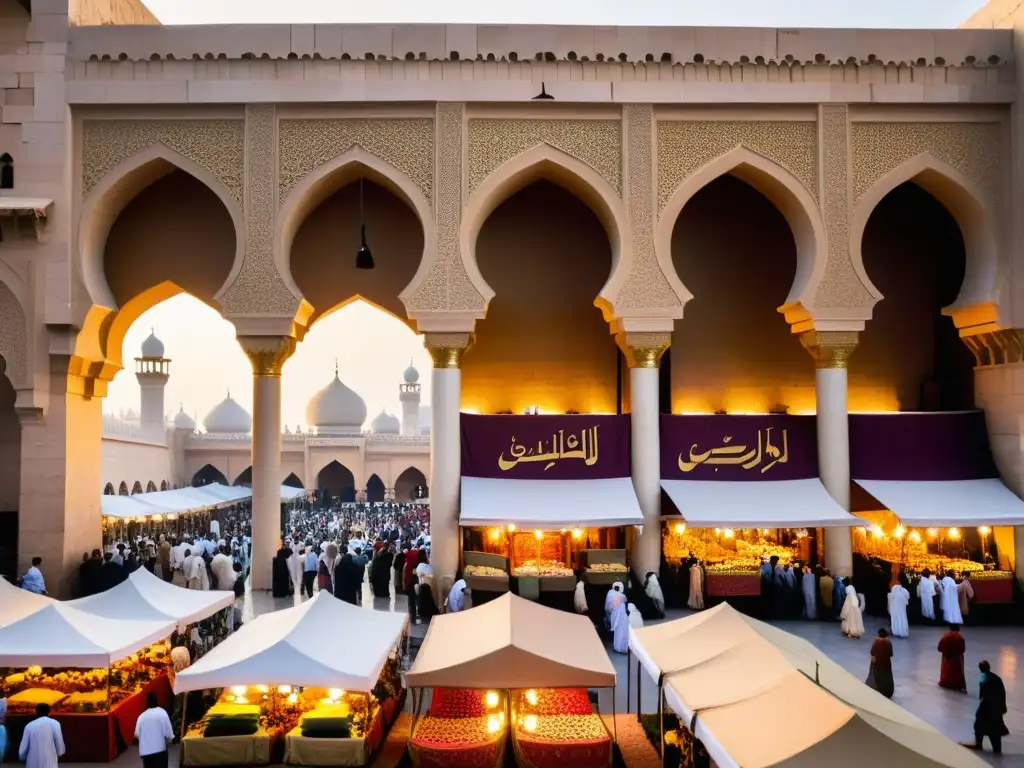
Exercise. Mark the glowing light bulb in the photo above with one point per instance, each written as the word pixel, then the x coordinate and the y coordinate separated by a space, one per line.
pixel 729 533
pixel 491 699
pixel 953 533
pixel 530 723
pixel 764 531
pixel 335 693
pixel 932 533
pixel 511 527
pixel 984 530
pixel 263 688
pixel 718 531
pixel 915 536
pixel 293 698
pixel 531 697
pixel 680 529
pixel 577 533
pixel 238 690
pixel 539 534
pixel 284 689
pixel 877 531
pixel 899 532
pixel 495 534
pixel 493 724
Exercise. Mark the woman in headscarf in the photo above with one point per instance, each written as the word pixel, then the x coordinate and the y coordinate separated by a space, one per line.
pixel 579 599
pixel 615 595
pixel 853 621
pixel 380 572
pixel 347 578
pixel 281 579
pixel 328 561
pixel 618 619
pixel 809 588
pixel 457 597
pixel 696 600
pixel 653 590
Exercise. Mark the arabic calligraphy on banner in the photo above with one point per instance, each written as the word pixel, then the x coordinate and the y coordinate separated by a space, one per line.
pixel 545 447
pixel 754 448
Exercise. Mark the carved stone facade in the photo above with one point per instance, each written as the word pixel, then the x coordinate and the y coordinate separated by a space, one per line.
pixel 13 337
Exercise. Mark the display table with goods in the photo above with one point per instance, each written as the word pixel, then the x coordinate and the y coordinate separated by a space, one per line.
pixel 312 720
pixel 602 567
pixel 556 727
pixel 486 574
pixel 463 728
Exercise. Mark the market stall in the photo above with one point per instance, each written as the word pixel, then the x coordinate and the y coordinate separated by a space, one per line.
pixel 725 674
pixel 94 672
pixel 934 499
pixel 544 494
pixel 510 669
pixel 317 684
pixel 739 490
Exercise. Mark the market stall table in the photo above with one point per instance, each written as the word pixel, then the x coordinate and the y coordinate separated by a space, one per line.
pixel 200 751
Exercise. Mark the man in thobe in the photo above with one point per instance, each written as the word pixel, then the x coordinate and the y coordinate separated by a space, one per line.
pixel 926 591
pixel 223 570
pixel 899 599
pixel 950 601
pixel 153 732
pixel 965 593
pixel 164 556
pixel 42 741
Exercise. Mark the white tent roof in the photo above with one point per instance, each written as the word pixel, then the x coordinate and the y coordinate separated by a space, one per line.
pixel 324 642
pixel 145 596
pixel 752 504
pixel 733 672
pixel 182 500
pixel 56 635
pixel 17 603
pixel 288 493
pixel 550 504
pixel 948 503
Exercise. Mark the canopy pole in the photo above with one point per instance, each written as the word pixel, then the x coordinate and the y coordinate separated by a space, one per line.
pixel 638 677
pixel 629 673
pixel 661 718
pixel 615 717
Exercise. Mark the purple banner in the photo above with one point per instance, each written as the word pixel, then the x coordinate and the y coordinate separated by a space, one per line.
pixel 545 447
pixel 920 446
pixel 757 448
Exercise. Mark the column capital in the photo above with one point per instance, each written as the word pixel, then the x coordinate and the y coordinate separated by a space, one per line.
pixel 643 350
pixel 446 349
pixel 267 354
pixel 830 349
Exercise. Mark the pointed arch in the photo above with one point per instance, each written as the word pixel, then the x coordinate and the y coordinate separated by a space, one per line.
pixel 335 479
pixel 136 488
pixel 969 207
pixel 150 487
pixel 163 485
pixel 108 489
pixel 292 481
pixel 122 489
pixel 119 187
pixel 206 475
pixel 327 179
pixel 407 483
pixel 787 193
pixel 546 162
pixel 375 488
pixel 244 477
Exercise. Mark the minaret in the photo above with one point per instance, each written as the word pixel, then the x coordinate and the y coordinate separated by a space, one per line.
pixel 409 394
pixel 152 371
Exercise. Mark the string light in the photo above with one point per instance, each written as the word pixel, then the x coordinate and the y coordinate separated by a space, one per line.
pixel 530 723
pixel 577 533
pixel 900 531
pixel 539 534
pixel 680 529
pixel 932 533
pixel 984 530
pixel 915 536
pixel 953 533
pixel 531 697
pixel 877 531
pixel 729 533
pixel 495 534
pixel 492 699
pixel 511 527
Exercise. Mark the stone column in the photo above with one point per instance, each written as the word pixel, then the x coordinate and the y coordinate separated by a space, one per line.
pixel 643 352
pixel 446 352
pixel 267 354
pixel 831 351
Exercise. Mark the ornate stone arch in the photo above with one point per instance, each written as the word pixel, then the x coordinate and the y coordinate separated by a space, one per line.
pixel 119 186
pixel 14 328
pixel 973 212
pixel 783 189
pixel 331 176
pixel 547 162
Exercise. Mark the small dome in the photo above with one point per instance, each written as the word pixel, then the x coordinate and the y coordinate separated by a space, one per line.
pixel 385 424
pixel 152 347
pixel 411 375
pixel 228 417
pixel 183 421
pixel 336 408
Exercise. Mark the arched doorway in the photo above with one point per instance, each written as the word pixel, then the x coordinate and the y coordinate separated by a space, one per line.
pixel 150 487
pixel 914 253
pixel 337 482
pixel 735 252
pixel 245 478
pixel 122 489
pixel 207 475
pixel 292 481
pixel 163 485
pixel 10 475
pixel 543 242
pixel 411 485
pixel 136 488
pixel 108 489
pixel 374 489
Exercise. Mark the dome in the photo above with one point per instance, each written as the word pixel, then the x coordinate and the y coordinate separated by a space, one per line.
pixel 228 417
pixel 183 421
pixel 152 347
pixel 336 408
pixel 385 424
pixel 411 375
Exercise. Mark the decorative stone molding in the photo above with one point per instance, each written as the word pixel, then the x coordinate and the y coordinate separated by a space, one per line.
pixel 644 350
pixel 684 146
pixel 973 149
pixel 405 143
pixel 840 286
pixel 646 287
pixel 267 354
pixel 493 142
pixel 216 145
pixel 1003 347
pixel 13 337
pixel 830 349
pixel 259 288
pixel 446 349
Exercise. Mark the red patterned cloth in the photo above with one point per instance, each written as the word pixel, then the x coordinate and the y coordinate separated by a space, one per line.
pixel 733 585
pixel 457 702
pixel 992 590
pixel 560 701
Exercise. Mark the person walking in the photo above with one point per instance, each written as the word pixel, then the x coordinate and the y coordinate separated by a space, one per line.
pixel 154 733
pixel 880 673
pixel 42 741
pixel 952 646
pixel 988 720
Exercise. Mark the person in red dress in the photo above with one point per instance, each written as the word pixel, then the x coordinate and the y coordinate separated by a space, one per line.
pixel 952 647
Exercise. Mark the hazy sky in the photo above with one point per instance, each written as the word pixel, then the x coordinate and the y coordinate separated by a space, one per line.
pixel 749 13
pixel 372 347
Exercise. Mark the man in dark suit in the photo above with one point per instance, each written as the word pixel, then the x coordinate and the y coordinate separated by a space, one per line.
pixel 988 720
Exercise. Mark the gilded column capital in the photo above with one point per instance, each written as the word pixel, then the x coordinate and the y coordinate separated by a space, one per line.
pixel 267 354
pixel 446 349
pixel 644 350
pixel 830 349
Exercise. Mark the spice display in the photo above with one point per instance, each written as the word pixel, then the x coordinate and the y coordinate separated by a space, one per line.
pixel 562 727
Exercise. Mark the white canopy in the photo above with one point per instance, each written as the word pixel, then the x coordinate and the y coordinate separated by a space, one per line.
pixel 182 500
pixel 550 504
pixel 17 603
pixel 56 635
pixel 324 642
pixel 752 504
pixel 730 673
pixel 145 596
pixel 948 503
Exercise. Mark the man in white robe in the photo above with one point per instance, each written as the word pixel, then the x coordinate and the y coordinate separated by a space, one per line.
pixel 899 598
pixel 950 601
pixel 223 568
pixel 42 741
pixel 620 625
pixel 615 598
pixel 926 591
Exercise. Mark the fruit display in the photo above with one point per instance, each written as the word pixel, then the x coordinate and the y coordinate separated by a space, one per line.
pixel 552 726
pixel 482 570
pixel 561 727
pixel 459 716
pixel 607 568
pixel 724 551
pixel 542 568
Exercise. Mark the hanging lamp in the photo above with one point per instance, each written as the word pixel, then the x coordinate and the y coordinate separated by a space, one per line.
pixel 364 258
